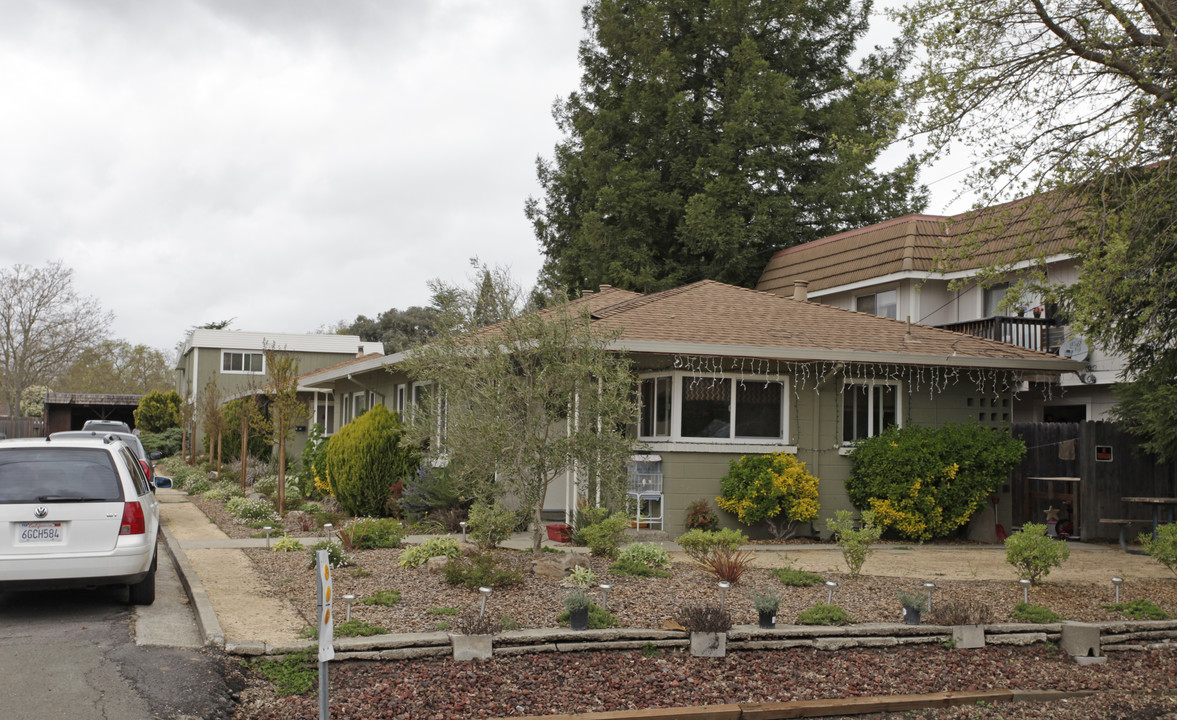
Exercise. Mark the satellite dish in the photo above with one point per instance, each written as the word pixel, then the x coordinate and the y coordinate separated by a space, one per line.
pixel 1075 349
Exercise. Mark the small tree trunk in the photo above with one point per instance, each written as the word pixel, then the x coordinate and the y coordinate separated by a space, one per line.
pixel 282 475
pixel 220 440
pixel 537 535
pixel 244 443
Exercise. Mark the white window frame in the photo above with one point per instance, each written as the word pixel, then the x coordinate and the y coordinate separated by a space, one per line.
pixel 676 440
pixel 357 397
pixel 400 401
pixel 243 353
pixel 871 430
pixel 876 295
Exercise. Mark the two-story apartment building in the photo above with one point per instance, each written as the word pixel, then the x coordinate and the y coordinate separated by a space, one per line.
pixel 236 360
pixel 925 269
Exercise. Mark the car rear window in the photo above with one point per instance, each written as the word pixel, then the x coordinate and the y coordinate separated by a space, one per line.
pixel 40 475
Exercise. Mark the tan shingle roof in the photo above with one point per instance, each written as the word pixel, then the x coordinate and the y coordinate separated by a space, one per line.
pixel 754 323
pixel 1039 225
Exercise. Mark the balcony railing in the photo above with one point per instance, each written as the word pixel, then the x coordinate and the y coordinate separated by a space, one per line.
pixel 1028 332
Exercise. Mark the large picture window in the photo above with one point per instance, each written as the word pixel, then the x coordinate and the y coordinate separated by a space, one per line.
pixel 679 406
pixel 884 304
pixel 868 409
pixel 242 362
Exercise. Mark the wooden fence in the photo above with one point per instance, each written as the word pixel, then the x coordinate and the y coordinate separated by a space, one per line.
pixel 21 427
pixel 1108 465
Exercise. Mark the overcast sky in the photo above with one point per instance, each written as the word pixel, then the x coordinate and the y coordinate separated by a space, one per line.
pixel 285 163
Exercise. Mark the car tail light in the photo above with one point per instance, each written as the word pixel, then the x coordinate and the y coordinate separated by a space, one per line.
pixel 133 521
pixel 146 468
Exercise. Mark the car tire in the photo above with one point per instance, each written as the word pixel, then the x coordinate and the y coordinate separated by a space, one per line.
pixel 143 592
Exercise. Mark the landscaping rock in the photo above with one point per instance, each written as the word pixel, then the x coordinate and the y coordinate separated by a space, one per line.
pixel 548 568
pixel 437 564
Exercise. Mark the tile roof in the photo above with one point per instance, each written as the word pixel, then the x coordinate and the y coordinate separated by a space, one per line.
pixel 710 317
pixel 1038 225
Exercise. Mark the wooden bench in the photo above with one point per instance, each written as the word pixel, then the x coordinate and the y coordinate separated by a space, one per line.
pixel 1124 523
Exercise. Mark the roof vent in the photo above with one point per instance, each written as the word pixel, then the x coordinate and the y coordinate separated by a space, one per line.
pixel 800 290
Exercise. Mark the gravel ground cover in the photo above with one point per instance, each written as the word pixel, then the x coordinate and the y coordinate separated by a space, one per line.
pixel 1130 685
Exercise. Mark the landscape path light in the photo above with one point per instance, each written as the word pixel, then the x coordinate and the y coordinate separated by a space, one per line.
pixel 463 524
pixel 1025 590
pixel 485 594
pixel 349 599
pixel 1116 581
pixel 605 588
pixel 327 531
pixel 268 530
pixel 928 586
pixel 830 584
pixel 723 586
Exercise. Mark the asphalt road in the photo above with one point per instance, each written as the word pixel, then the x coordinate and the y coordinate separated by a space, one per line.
pixel 88 655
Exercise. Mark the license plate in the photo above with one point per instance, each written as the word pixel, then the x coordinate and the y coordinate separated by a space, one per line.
pixel 40 532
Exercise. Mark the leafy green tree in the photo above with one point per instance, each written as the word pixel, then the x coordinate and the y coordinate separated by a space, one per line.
pixel 158 411
pixel 32 400
pixel 397 329
pixel 117 366
pixel 524 399
pixel 1092 85
pixel 774 489
pixel 234 411
pixel 365 459
pixel 709 133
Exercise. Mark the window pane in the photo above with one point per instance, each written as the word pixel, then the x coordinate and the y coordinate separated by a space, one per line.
pixel 855 412
pixel 237 360
pixel 865 304
pixel 662 405
pixel 993 298
pixel 227 361
pixel 706 407
pixel 647 407
pixel 887 304
pixel 884 407
pixel 758 409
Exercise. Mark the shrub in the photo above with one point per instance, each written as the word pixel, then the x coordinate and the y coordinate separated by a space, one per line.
pixel 372 533
pixel 312 476
pixel 584 518
pixel 796 578
pixel 365 459
pixel 704 618
pixel 433 547
pixel 604 538
pixel 259 445
pixel 697 544
pixel 855 543
pixel 773 488
pixel 915 601
pixel 727 564
pixel 336 557
pixel 287 544
pixel 474 622
pixel 766 602
pixel 481 570
pixel 700 517
pixel 358 628
pixel 634 568
pixel 647 554
pixel 158 411
pixel 222 491
pixel 193 479
pixel 1139 610
pixel 823 614
pixel 167 442
pixel 576 600
pixel 1164 548
pixel 1025 612
pixel 383 598
pixel 1033 554
pixel 598 619
pixel 431 489
pixel 925 483
pixel 246 509
pixel 581 576
pixel 490 525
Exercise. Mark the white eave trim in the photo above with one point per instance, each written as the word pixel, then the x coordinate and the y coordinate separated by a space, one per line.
pixel 1048 363
pixel 338 373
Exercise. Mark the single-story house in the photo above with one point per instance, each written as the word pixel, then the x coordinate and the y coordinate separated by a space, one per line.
pixel 724 371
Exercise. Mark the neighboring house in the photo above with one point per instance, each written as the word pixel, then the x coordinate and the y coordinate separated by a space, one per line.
pixel 924 268
pixel 724 371
pixel 236 360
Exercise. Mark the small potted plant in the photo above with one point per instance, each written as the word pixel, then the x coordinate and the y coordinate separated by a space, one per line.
pixel 474 639
pixel 766 605
pixel 708 625
pixel 913 606
pixel 577 604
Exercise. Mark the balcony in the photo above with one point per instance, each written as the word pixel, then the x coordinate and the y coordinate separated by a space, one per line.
pixel 1028 332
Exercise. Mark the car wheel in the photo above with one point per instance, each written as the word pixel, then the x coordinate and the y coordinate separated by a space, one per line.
pixel 143 592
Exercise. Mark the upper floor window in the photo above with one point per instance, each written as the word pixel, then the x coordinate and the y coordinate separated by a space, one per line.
pixel 883 304
pixel 868 409
pixel 682 406
pixel 994 295
pixel 242 362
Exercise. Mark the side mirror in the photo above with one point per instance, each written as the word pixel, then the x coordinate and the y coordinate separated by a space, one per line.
pixel 163 482
pixel 155 455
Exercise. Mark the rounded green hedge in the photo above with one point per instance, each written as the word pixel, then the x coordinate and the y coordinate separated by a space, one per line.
pixel 365 459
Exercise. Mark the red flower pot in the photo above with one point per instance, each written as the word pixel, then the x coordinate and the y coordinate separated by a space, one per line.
pixel 559 532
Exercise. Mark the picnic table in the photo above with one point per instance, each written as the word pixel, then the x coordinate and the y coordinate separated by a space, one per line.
pixel 1169 503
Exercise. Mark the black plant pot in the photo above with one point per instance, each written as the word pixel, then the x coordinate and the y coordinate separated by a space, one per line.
pixel 578 619
pixel 766 620
pixel 911 616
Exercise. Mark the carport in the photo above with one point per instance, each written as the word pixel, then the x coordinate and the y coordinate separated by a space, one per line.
pixel 69 411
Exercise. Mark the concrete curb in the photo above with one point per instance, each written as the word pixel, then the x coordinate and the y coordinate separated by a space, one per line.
pixel 206 618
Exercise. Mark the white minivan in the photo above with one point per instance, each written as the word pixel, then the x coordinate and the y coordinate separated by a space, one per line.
pixel 77 513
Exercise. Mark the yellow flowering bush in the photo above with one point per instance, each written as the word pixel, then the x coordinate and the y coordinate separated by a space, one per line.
pixel 773 488
pixel 925 483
